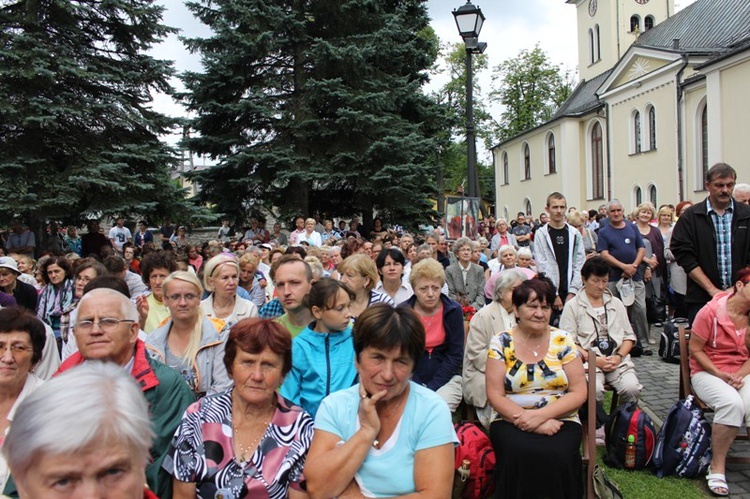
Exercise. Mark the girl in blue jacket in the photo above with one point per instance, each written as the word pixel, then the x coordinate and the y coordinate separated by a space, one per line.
pixel 323 353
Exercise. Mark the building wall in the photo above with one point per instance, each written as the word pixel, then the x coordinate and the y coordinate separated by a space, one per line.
pixel 694 101
pixel 651 167
pixel 615 35
pixel 518 193
pixel 735 106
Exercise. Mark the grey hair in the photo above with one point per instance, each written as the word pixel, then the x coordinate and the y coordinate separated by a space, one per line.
pixel 475 245
pixel 525 251
pixel 483 240
pixel 107 404
pixel 127 307
pixel 505 247
pixel 460 243
pixel 742 188
pixel 505 281
pixel 315 265
pixel 612 203
pixel 425 247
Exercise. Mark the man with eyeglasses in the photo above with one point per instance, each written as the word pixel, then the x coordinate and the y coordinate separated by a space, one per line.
pixel 107 329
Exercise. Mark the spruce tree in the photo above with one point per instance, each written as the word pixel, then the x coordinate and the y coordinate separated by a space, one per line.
pixel 78 136
pixel 316 105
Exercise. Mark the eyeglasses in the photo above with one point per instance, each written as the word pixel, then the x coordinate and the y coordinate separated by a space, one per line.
pixel 83 279
pixel 187 296
pixel 14 349
pixel 106 324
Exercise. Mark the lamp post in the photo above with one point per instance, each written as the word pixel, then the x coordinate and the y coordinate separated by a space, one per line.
pixel 469 19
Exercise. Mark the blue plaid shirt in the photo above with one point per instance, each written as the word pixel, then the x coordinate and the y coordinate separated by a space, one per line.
pixel 271 310
pixel 723 231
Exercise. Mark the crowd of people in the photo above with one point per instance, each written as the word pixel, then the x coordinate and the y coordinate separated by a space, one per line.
pixel 326 362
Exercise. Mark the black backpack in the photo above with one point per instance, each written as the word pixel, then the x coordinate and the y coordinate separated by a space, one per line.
pixel 629 419
pixel 669 344
pixel 683 447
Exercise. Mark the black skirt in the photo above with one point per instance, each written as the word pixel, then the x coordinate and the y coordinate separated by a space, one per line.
pixel 533 466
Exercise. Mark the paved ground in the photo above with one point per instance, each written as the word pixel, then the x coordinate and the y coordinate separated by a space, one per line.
pixel 660 391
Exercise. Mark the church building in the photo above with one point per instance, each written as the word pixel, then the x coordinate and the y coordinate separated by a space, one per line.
pixel 662 96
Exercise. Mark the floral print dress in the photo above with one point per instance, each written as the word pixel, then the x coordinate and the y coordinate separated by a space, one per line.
pixel 536 385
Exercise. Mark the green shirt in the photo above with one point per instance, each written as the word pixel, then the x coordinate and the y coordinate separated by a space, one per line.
pixel 284 321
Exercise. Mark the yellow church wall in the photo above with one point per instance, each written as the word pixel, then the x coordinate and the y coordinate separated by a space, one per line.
pixel 735 105
pixel 651 166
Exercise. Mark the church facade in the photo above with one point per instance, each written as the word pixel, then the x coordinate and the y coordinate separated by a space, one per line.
pixel 663 96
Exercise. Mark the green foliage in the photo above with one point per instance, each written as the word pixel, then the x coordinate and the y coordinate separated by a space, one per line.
pixel 452 139
pixel 531 89
pixel 315 106
pixel 78 136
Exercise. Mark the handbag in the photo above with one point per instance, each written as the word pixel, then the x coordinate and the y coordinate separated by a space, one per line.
pixel 604 487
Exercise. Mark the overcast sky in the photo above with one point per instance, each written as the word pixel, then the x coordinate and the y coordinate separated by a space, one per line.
pixel 510 26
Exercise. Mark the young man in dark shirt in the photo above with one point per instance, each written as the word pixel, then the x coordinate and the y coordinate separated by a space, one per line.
pixel 559 253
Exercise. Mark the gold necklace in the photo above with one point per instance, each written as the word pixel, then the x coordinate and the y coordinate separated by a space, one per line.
pixel 253 445
pixel 244 450
pixel 532 350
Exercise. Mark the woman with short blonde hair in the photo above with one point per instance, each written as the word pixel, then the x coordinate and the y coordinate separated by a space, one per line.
pixel 439 366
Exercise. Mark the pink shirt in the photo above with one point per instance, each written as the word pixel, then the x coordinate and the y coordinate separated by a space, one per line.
pixel 434 330
pixel 725 345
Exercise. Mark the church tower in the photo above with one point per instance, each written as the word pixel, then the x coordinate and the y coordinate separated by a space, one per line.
pixel 607 28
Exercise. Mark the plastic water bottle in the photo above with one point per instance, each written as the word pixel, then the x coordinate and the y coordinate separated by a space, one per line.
pixel 630 453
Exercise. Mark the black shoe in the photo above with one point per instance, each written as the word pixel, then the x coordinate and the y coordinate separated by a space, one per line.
pixel 647 352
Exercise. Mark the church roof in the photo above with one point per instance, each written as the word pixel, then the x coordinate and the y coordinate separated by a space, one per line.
pixel 583 99
pixel 704 26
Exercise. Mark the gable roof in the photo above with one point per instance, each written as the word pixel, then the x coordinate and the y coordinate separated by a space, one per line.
pixel 704 26
pixel 583 99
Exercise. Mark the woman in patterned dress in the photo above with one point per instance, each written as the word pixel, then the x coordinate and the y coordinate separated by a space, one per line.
pixel 247 441
pixel 536 384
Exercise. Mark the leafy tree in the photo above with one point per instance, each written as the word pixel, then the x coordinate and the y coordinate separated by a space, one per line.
pixel 78 136
pixel 452 96
pixel 531 89
pixel 315 106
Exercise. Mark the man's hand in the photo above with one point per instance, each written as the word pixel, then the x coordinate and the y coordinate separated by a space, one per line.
pixel 629 269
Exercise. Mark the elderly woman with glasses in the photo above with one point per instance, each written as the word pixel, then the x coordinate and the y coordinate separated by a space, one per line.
pixel 22 339
pixel 190 342
pixel 86 270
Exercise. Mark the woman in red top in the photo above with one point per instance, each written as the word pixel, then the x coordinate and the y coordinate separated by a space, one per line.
pixel 720 370
pixel 439 368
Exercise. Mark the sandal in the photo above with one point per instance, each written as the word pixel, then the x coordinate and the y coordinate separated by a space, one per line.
pixel 716 482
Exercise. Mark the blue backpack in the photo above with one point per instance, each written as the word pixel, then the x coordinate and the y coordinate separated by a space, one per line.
pixel 683 447
pixel 629 419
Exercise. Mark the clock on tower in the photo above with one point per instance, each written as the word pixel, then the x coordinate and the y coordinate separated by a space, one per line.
pixel 592 7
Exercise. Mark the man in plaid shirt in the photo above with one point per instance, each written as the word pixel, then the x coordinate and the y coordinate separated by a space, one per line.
pixel 711 240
